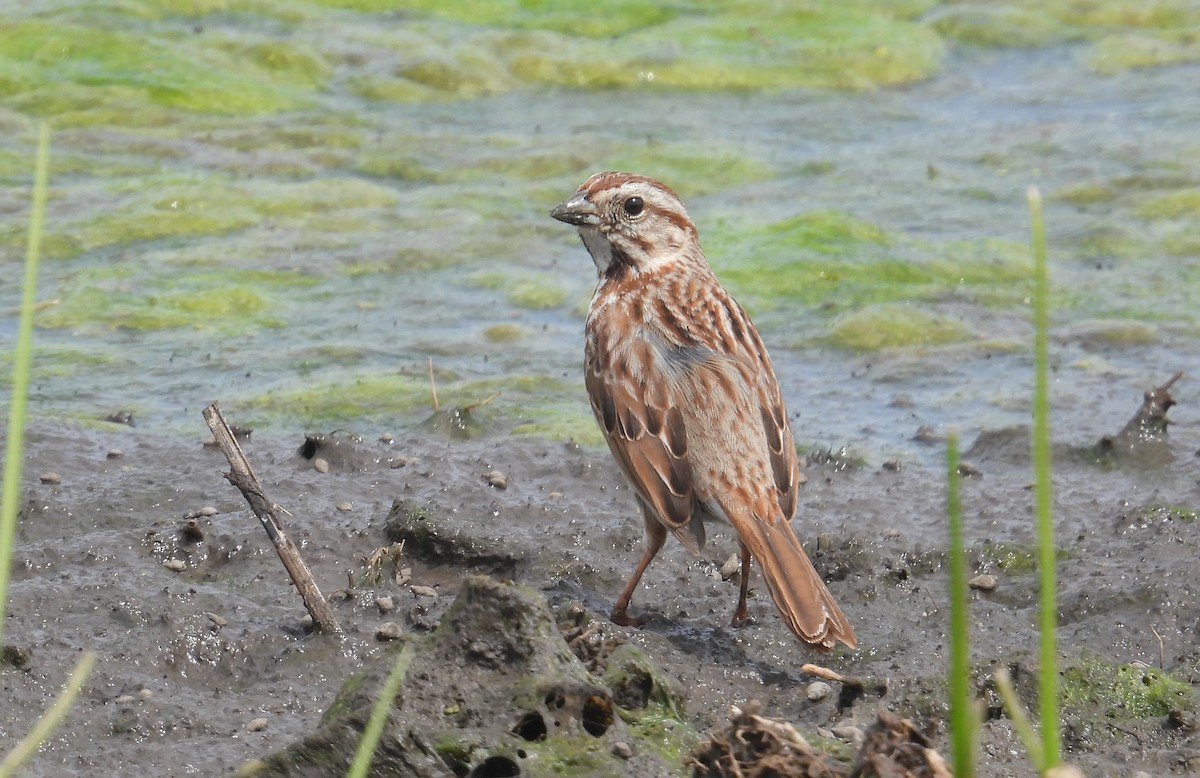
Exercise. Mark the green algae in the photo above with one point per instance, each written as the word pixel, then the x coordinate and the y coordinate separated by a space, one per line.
pixel 1015 558
pixel 692 171
pixel 61 361
pixel 833 260
pixel 528 290
pixel 119 296
pixel 339 400
pixel 505 333
pixel 560 419
pixel 36 54
pixel 1000 25
pixel 524 404
pixel 157 208
pixel 1123 691
pixel 1174 205
pixel 894 326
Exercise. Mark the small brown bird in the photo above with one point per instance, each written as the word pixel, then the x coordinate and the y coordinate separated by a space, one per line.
pixel 683 389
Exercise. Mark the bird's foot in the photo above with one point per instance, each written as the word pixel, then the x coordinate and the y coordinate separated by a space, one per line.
pixel 622 618
pixel 741 618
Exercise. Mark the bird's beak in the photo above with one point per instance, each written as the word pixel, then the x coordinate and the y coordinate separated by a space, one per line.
pixel 579 211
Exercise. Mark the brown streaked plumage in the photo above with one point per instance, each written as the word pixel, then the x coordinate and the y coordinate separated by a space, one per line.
pixel 683 389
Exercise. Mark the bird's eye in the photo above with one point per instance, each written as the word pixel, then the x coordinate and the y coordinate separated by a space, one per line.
pixel 634 206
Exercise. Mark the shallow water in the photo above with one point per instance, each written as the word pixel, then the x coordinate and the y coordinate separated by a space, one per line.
pixel 941 167
pixel 329 253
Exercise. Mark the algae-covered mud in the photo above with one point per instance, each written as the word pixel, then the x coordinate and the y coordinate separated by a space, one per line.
pixel 312 211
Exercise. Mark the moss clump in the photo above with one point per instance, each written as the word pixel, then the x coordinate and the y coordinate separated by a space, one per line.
pixel 120 296
pixel 894 326
pixel 505 333
pixel 998 25
pixel 1013 558
pixel 43 53
pixel 1176 205
pixel 532 291
pixel 1128 50
pixel 1123 691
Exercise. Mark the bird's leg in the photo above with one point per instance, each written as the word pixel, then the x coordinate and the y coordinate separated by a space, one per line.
pixel 656 535
pixel 741 616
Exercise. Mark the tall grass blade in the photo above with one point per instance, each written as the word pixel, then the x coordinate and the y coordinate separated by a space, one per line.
pixel 15 443
pixel 962 708
pixel 1020 720
pixel 379 713
pixel 1043 493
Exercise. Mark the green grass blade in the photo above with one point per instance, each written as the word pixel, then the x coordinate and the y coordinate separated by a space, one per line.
pixel 1016 714
pixel 50 719
pixel 1043 492
pixel 15 444
pixel 962 707
pixel 379 713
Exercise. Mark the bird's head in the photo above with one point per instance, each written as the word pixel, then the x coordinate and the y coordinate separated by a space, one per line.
pixel 629 223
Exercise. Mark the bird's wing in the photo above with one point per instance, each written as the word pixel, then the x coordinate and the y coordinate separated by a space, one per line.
pixel 780 443
pixel 645 430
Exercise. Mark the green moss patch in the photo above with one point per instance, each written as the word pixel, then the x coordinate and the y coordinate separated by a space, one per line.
pixel 228 300
pixel 894 326
pixel 40 56
pixel 997 24
pixel 1123 691
pixel 527 290
pixel 835 261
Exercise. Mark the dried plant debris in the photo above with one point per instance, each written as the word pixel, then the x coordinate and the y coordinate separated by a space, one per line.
pixel 1148 425
pixel 895 748
pixel 753 746
pixel 587 638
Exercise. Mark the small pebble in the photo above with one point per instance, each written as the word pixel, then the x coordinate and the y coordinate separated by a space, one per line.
pixel 385 604
pixel 890 533
pixel 983 583
pixel 926 434
pixel 389 631
pixel 968 470
pixel 114 453
pixel 1064 771
pixel 124 699
pixel 256 725
pixel 345 507
pixel 306 621
pixel 321 465
pixel 204 512
pixel 120 417
pixel 217 620
pixel 893 465
pixel 849 734
pixel 496 479
pixel 818 690
pixel 423 591
pixel 398 462
pixel 175 565
pixel 554 496
pixel 146 694
pixel 387 438
pixel 622 749
pixel 731 567
pixel 50 477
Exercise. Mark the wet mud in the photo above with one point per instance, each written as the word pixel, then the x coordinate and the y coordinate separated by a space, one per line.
pixel 205 660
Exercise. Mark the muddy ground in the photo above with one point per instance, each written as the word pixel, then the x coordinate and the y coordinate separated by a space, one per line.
pixel 189 658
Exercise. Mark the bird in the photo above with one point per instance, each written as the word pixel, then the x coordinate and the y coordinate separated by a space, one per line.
pixel 683 390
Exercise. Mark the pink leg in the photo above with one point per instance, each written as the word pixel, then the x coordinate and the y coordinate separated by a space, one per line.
pixel 656 535
pixel 741 616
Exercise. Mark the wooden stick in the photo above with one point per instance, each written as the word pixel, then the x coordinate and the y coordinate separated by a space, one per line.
pixel 241 476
